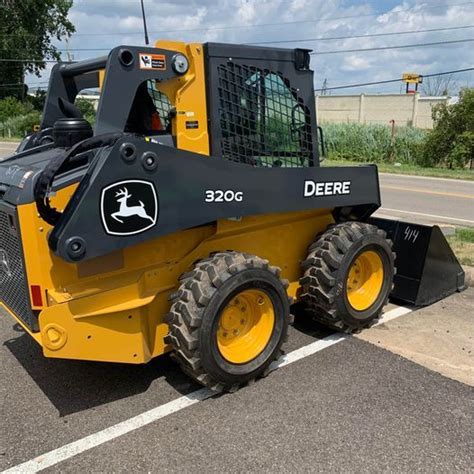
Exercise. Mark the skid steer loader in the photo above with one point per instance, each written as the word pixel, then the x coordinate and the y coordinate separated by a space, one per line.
pixel 193 215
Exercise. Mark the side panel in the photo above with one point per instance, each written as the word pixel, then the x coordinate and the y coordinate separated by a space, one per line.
pixel 121 319
pixel 192 190
pixel 188 95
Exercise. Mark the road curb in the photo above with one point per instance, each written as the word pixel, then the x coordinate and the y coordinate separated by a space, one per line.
pixel 469 275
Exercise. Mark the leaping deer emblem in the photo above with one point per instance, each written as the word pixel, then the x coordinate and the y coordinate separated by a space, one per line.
pixel 122 197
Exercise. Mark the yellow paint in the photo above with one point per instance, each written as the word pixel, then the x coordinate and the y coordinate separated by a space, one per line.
pixel 101 78
pixel 188 94
pixel 123 307
pixel 245 326
pixel 365 280
pixel 293 290
pixel 422 191
pixel 42 267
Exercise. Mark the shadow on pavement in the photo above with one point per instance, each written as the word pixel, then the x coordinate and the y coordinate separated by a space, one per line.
pixel 73 386
pixel 307 325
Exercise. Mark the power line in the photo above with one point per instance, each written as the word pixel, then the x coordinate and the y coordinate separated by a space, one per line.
pixel 456 71
pixel 331 38
pixel 21 84
pixel 28 60
pixel 309 39
pixel 259 25
pixel 382 48
pixel 362 84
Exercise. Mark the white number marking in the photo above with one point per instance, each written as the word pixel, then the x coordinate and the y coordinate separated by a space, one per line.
pixel 220 196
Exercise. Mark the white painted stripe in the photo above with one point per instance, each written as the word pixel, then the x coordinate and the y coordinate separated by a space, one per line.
pixel 96 439
pixel 308 350
pixel 430 178
pixel 394 313
pixel 467 221
pixel 84 444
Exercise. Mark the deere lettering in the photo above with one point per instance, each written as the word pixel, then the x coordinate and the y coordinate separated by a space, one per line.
pixel 328 188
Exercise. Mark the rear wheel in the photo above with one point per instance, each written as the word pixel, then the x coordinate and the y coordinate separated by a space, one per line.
pixel 348 276
pixel 229 319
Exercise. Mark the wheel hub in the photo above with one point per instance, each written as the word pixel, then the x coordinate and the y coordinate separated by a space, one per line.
pixel 365 280
pixel 245 326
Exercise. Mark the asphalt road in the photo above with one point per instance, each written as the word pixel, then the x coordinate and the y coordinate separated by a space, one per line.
pixel 349 407
pixel 427 200
pixel 7 148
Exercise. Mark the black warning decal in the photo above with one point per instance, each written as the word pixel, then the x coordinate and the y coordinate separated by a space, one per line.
pixel 192 124
pixel 152 61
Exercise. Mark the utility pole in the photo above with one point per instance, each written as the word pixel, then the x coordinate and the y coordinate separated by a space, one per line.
pixel 324 89
pixel 68 53
pixel 147 42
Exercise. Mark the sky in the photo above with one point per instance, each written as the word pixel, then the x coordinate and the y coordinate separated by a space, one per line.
pixel 103 24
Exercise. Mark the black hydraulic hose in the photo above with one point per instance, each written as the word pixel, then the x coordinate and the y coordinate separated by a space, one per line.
pixel 43 185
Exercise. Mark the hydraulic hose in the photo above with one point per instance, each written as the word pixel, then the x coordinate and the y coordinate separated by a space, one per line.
pixel 43 185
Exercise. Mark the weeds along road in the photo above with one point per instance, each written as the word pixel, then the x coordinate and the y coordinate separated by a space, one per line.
pixel 418 199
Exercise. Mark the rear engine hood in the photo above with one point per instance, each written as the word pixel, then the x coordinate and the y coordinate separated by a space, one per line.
pixel 18 174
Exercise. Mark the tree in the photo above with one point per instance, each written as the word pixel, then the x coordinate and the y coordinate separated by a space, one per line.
pixel 436 86
pixel 451 142
pixel 27 31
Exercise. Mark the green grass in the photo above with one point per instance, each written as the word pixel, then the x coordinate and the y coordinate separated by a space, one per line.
pixel 409 169
pixel 373 143
pixel 462 243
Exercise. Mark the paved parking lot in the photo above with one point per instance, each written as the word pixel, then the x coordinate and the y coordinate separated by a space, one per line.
pixel 350 405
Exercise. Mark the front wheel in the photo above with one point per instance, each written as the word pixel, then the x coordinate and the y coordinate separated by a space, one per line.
pixel 228 319
pixel 348 276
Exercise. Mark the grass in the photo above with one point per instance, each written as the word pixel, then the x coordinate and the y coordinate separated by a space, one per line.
pixel 462 243
pixel 409 169
pixel 373 142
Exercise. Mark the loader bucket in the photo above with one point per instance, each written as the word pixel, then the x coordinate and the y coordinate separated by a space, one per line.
pixel 427 269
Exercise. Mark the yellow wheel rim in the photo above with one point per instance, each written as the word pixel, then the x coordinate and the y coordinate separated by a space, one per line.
pixel 245 326
pixel 365 280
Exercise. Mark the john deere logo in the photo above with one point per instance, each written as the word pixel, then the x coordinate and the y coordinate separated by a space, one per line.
pixel 129 207
pixel 5 269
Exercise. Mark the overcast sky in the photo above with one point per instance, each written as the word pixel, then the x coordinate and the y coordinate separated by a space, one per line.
pixel 108 23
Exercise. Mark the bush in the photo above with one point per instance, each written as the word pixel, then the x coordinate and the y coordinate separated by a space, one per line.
pixel 373 143
pixel 451 142
pixel 20 125
pixel 87 109
pixel 12 107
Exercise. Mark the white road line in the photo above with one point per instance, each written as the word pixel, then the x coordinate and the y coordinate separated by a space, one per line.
pixel 392 314
pixel 84 444
pixel 467 221
pixel 430 178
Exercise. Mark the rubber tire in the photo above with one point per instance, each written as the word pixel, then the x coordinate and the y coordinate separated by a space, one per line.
pixel 326 270
pixel 195 312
